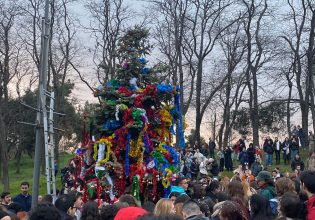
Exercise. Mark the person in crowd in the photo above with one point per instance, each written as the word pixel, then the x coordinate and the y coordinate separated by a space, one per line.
pixel 194 168
pixel 164 206
pixel 77 199
pixel 283 185
pixel 212 146
pixel 205 150
pixel 179 202
pixel 204 167
pixel 275 174
pixel 294 147
pixel 129 199
pixel 149 205
pixel 214 170
pixel 172 196
pixel 311 140
pixel 90 211
pixel 308 185
pixel 286 149
pixel 258 152
pixel 268 149
pixel 129 213
pixel 256 166
pixel 235 189
pixel 47 199
pixel 247 176
pixel 212 189
pixel 231 210
pixel 228 158
pixel 199 156
pixel 290 207
pixel 236 148
pixel 266 185
pixel 310 163
pixel 66 207
pixel 24 198
pixel 199 192
pixel 180 185
pixel 220 156
pixel 242 144
pixel 108 212
pixel 297 163
pixel 277 150
pixel 216 211
pixel 243 158
pixel 191 211
pixel 251 154
pixel 187 163
pixel 301 136
pixel 259 208
pixel 6 199
pixel 45 211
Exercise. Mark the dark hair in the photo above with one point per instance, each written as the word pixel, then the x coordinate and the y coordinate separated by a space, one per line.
pixel 178 180
pixel 90 211
pixel 213 186
pixel 199 191
pixel 48 198
pixel 109 212
pixel 259 206
pixel 182 199
pixel 290 205
pixel 45 211
pixel 307 178
pixel 222 196
pixel 15 207
pixel 4 194
pixel 128 199
pixel 176 194
pixel 74 195
pixel 148 206
pixel 63 203
pixel 25 183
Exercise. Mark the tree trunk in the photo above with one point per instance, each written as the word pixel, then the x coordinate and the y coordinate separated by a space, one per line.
pixel 18 159
pixel 4 160
pixel 288 109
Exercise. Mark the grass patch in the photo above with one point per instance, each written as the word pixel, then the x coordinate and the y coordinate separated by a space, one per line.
pixel 26 174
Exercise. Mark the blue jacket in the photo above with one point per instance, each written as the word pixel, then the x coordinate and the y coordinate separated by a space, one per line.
pixel 24 201
pixel 177 189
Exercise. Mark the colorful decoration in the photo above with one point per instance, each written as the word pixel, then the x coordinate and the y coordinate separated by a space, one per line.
pixel 134 128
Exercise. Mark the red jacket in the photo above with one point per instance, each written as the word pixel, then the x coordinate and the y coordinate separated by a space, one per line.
pixel 311 208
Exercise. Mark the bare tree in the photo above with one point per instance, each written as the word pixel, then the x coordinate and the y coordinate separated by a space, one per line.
pixel 9 63
pixel 301 44
pixel 233 46
pixel 256 56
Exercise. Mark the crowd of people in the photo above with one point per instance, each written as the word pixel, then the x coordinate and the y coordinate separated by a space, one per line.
pixel 200 191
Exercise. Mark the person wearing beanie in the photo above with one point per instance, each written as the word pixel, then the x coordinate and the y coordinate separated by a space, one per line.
pixel 130 213
pixel 266 185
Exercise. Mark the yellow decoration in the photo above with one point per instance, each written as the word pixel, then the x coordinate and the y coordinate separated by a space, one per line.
pixel 166 180
pixel 166 117
pixel 108 143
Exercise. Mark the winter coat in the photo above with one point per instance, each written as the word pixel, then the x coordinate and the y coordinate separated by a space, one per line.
pixel 256 168
pixel 295 163
pixel 251 155
pixel 275 146
pixel 243 157
pixel 269 192
pixel 310 164
pixel 294 145
pixel 215 169
pixel 268 148
pixel 194 168
pixel 286 147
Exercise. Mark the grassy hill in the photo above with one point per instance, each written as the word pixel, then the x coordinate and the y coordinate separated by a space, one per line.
pixel 26 174
pixel 27 165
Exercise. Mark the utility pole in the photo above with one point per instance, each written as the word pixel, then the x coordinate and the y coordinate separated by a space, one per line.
pixel 41 102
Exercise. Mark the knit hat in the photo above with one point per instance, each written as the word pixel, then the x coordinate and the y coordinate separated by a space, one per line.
pixel 264 175
pixel 130 213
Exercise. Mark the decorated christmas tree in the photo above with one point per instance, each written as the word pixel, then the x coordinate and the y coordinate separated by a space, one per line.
pixel 130 149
